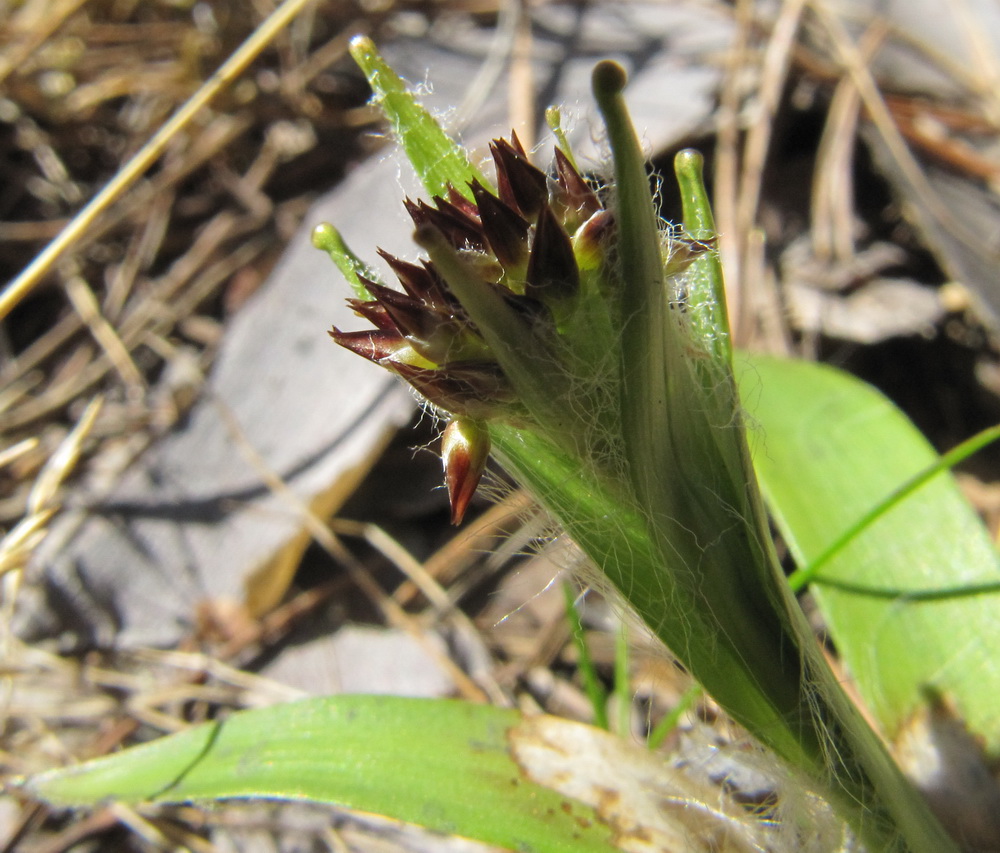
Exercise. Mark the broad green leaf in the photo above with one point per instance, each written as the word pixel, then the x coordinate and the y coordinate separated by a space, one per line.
pixel 437 159
pixel 532 784
pixel 905 600
pixel 443 764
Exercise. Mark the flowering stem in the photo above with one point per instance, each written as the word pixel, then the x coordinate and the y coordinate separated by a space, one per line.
pixel 591 351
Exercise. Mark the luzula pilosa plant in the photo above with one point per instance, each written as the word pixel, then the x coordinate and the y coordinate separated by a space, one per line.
pixel 588 348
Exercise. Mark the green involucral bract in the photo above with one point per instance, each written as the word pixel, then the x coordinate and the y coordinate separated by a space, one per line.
pixel 589 348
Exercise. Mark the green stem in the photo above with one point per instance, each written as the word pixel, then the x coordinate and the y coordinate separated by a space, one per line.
pixel 807 574
pixel 706 292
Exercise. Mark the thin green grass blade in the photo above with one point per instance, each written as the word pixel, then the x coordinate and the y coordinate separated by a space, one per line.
pixel 911 601
pixel 442 764
pixel 622 696
pixel 670 721
pixel 596 694
pixel 803 576
pixel 437 159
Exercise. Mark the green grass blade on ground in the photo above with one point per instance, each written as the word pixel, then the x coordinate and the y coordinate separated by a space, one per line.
pixel 533 784
pixel 442 764
pixel 908 601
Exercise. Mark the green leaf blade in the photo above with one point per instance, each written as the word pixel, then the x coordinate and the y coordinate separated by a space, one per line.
pixel 828 449
pixel 445 765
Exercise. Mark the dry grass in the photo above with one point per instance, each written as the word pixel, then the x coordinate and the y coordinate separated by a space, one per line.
pixel 156 274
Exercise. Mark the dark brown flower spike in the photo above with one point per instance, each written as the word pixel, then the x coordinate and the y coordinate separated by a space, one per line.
pixel 375 345
pixel 462 203
pixel 374 313
pixel 517 249
pixel 475 390
pixel 506 231
pixel 461 231
pixel 521 185
pixel 422 282
pixel 515 142
pixel 410 315
pixel 414 278
pixel 552 270
pixel 465 215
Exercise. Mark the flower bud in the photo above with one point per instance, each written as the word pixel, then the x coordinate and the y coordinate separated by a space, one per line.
pixel 472 390
pixel 573 199
pixel 591 240
pixel 465 447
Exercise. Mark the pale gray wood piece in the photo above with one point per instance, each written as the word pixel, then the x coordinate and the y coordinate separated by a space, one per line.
pixel 961 226
pixel 192 520
pixel 365 659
